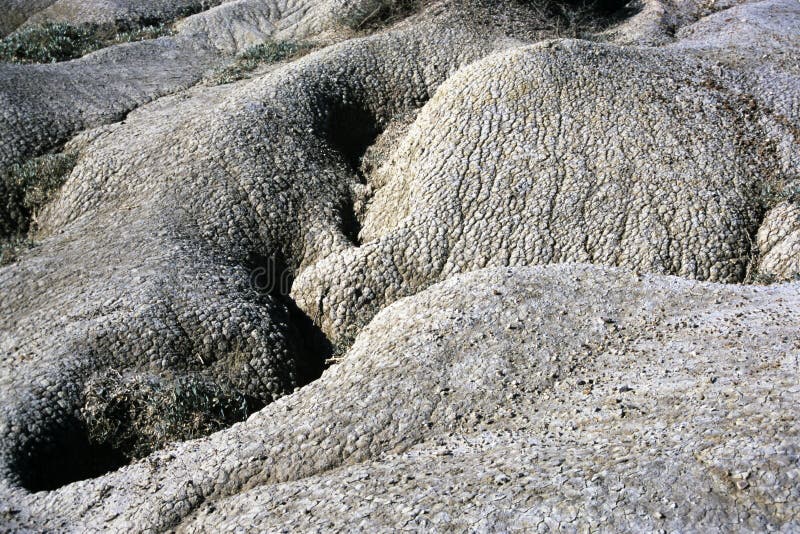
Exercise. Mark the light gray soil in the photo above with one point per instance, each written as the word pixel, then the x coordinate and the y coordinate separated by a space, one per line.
pixel 533 254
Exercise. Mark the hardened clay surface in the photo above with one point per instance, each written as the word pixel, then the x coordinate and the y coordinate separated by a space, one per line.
pixel 460 265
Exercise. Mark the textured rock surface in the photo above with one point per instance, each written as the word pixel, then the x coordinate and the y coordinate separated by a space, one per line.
pixel 123 307
pixel 512 398
pixel 43 106
pixel 16 12
pixel 570 151
pixel 779 242
pixel 225 240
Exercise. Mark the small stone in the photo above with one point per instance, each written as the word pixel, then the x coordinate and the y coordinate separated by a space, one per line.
pixel 501 479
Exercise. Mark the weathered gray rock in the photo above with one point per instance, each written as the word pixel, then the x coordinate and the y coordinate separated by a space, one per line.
pixel 779 242
pixel 44 106
pixel 191 245
pixel 508 398
pixel 16 12
pixel 567 152
pixel 119 13
pixel 224 240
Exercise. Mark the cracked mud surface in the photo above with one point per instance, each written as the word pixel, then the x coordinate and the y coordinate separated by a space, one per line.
pixel 529 256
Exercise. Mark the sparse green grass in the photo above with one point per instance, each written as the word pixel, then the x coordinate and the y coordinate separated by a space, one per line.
pixel 774 193
pixel 140 34
pixel 24 189
pixel 48 43
pixel 138 415
pixel 253 57
pixel 27 187
pixel 54 42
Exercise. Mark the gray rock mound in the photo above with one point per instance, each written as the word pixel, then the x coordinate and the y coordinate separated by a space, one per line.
pixel 463 199
pixel 779 242
pixel 44 106
pixel 566 152
pixel 119 13
pixel 533 398
pixel 192 266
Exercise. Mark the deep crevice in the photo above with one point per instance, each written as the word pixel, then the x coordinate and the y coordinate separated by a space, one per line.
pixel 115 426
pixel 351 129
pixel 351 223
pixel 274 276
pixel 311 346
pixel 66 456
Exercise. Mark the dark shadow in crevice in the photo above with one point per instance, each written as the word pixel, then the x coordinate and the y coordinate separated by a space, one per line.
pixel 351 223
pixel 66 455
pixel 311 346
pixel 273 276
pixel 351 129
pixel 270 275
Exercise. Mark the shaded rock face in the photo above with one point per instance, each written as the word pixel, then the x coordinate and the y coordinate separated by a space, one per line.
pixel 214 245
pixel 16 12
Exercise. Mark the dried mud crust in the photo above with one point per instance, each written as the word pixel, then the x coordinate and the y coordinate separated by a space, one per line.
pixel 571 395
pixel 43 106
pixel 197 247
pixel 571 152
pixel 216 245
pixel 191 265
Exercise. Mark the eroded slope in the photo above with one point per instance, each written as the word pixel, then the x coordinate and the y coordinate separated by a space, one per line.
pixel 506 398
pixel 212 248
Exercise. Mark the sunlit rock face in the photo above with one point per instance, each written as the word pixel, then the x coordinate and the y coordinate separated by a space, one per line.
pixel 445 265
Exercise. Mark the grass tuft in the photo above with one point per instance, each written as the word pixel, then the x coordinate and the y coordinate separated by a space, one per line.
pixel 55 42
pixel 24 189
pixel 140 414
pixel 388 13
pixel 773 193
pixel 253 57
pixel 48 43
